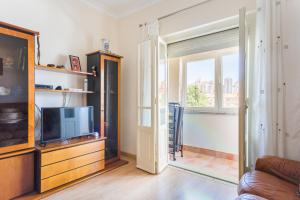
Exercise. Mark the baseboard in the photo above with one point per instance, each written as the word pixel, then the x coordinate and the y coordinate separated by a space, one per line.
pixel 217 154
pixel 129 155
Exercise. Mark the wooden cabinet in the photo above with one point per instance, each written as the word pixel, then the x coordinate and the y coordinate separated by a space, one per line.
pixel 16 175
pixel 16 88
pixel 60 164
pixel 106 99
pixel 16 110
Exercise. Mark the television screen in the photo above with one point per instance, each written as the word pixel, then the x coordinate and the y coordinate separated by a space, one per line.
pixel 66 122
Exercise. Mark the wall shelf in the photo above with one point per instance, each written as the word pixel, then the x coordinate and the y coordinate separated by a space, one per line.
pixel 62 91
pixel 66 71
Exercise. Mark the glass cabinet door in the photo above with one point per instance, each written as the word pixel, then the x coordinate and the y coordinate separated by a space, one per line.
pixel 13 90
pixel 111 108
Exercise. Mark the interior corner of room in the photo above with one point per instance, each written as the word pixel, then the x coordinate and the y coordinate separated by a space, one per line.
pixel 158 99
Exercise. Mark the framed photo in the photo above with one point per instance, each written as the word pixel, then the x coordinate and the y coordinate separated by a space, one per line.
pixel 75 63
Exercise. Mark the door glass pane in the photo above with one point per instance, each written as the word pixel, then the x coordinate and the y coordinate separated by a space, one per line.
pixel 230 81
pixel 145 80
pixel 111 108
pixel 200 76
pixel 13 91
pixel 162 85
pixel 145 115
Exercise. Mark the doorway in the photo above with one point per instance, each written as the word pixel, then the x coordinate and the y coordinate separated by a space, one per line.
pixel 207 84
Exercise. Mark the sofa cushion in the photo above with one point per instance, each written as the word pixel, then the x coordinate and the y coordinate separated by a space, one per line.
pixel 267 186
pixel 249 197
pixel 288 170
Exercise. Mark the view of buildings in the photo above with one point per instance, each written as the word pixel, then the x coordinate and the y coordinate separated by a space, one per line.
pixel 206 92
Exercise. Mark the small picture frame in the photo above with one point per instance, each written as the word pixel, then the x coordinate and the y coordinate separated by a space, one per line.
pixel 75 63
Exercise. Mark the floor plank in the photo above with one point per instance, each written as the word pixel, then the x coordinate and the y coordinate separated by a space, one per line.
pixel 128 182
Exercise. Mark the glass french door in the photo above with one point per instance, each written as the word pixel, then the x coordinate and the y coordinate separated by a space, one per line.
pixel 162 106
pixel 146 158
pixel 152 141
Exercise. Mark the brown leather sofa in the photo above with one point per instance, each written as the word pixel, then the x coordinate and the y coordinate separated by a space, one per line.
pixel 274 178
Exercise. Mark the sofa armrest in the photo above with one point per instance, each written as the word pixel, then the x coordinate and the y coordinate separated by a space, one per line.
pixel 288 170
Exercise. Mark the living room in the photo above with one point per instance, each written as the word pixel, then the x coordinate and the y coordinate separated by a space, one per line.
pixel 87 89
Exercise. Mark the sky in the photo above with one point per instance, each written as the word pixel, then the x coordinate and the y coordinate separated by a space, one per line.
pixel 204 68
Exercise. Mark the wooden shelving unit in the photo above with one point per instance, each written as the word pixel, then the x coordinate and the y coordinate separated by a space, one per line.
pixel 66 71
pixel 63 91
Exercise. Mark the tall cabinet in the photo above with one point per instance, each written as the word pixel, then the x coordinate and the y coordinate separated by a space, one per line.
pixel 16 110
pixel 106 99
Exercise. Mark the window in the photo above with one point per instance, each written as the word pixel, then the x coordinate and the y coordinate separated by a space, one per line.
pixel 212 81
pixel 201 83
pixel 230 81
pixel 145 90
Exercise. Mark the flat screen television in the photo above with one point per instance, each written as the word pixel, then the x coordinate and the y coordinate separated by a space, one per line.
pixel 64 123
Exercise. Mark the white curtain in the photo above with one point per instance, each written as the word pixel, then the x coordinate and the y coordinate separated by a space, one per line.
pixel 266 100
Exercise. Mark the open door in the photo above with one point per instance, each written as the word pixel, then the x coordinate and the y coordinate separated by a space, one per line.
pixel 242 90
pixel 162 106
pixel 152 137
pixel 146 154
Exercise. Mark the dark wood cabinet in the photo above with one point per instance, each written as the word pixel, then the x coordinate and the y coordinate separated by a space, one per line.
pixel 106 99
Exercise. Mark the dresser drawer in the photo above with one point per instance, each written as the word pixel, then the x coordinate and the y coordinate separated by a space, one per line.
pixel 73 163
pixel 71 152
pixel 61 179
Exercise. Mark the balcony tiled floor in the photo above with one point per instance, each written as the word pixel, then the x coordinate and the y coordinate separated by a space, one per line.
pixel 204 164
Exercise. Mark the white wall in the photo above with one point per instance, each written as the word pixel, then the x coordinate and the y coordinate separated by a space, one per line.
pixel 67 27
pixel 216 132
pixel 291 60
pixel 213 10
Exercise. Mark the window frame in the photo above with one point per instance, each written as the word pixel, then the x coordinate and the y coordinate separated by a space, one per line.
pixel 217 56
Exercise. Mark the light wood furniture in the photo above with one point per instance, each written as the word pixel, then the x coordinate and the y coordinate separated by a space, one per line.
pixel 16 175
pixel 106 99
pixel 63 163
pixel 20 95
pixel 63 91
pixel 66 71
pixel 17 47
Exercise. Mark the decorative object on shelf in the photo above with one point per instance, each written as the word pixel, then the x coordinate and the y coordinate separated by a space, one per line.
pixel 60 66
pixel 4 91
pixel 43 86
pixel 94 71
pixel 75 63
pixel 58 88
pixel 105 44
pixel 50 65
pixel 8 62
pixel 85 84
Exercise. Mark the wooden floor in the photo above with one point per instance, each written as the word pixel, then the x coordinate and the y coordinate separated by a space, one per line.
pixel 130 183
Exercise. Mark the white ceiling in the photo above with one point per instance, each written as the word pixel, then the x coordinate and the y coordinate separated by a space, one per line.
pixel 120 8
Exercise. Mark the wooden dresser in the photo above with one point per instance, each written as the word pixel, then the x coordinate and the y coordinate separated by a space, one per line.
pixel 59 164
